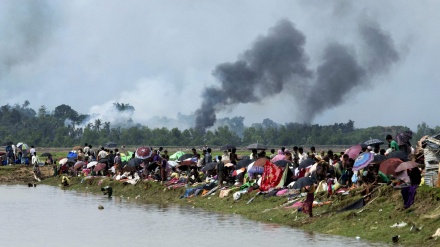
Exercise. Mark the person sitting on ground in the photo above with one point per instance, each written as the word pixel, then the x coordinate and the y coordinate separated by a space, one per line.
pixel 174 174
pixel 193 177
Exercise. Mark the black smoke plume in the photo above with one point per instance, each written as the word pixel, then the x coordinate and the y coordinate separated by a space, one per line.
pixel 272 62
pixel 278 61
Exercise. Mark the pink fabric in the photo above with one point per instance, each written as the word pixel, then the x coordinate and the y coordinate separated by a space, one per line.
pixel 282 192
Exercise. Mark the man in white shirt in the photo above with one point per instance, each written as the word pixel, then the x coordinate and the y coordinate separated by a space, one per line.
pixel 301 155
pixel 102 154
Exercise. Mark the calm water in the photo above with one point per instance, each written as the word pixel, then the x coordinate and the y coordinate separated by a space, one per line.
pixel 49 216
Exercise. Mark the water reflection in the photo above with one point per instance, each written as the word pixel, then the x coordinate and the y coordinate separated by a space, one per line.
pixel 50 216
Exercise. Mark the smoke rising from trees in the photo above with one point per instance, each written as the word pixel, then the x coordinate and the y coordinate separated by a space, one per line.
pixel 278 62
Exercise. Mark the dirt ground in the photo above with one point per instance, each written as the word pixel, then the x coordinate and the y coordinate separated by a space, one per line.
pixel 22 174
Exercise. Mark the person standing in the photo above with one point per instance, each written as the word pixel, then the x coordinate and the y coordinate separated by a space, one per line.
pixel 393 143
pixel 10 157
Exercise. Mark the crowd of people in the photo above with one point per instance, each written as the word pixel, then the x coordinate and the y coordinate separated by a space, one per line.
pixel 328 170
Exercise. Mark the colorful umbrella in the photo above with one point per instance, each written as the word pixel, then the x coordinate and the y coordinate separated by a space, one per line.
pixel 143 153
pixel 78 165
pixel 99 167
pixel 353 152
pixel 176 155
pixel 363 160
pixel 22 146
pixel 278 157
pixel 77 148
pixel 406 166
pixel 63 161
pixel 389 166
pixel 92 164
pixel 260 162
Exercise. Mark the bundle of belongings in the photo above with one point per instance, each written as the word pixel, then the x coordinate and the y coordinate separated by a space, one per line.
pixel 430 146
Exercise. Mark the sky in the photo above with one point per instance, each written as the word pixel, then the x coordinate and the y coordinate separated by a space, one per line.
pixel 162 56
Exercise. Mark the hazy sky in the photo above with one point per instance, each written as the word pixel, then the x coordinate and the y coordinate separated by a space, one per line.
pixel 159 56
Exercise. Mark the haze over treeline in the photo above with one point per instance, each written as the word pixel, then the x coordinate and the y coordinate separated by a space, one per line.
pixel 65 127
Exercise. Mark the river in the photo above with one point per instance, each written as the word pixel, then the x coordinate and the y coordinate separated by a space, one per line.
pixel 50 216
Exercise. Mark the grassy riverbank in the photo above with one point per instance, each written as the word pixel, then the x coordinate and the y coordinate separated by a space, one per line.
pixel 371 223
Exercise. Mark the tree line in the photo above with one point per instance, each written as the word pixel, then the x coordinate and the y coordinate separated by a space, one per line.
pixel 59 128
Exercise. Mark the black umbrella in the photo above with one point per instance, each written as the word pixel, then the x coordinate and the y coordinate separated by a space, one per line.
pixel 103 160
pixel 244 163
pixel 186 167
pixel 70 162
pixel 7 143
pixel 303 182
pixel 227 147
pixel 379 158
pixel 399 154
pixel 257 146
pixel 373 142
pixel 185 156
pixel 152 166
pixel 306 163
pixel 209 166
pixel 46 155
pixel 404 137
pixel 110 145
pixel 282 163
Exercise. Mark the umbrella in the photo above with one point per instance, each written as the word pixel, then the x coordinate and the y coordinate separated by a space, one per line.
pixel 185 156
pixel 91 164
pixel 229 164
pixel 353 152
pixel 373 142
pixel 143 153
pixel 257 146
pixel 363 160
pixel 303 182
pixel 7 143
pixel 152 166
pixel 306 163
pixel 135 162
pixel 176 155
pixel 244 163
pixel 282 163
pixel 389 166
pixel 72 155
pixel 260 162
pixel 110 145
pixel 236 172
pixel 172 163
pixel 399 154
pixel 104 160
pixel 76 148
pixel 404 137
pixel 184 167
pixel 379 158
pixel 406 165
pixel 99 167
pixel 70 162
pixel 278 157
pixel 46 155
pixel 78 165
pixel 22 146
pixel 63 161
pixel 209 166
pixel 227 147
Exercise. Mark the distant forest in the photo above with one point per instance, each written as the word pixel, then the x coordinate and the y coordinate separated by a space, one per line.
pixel 59 128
